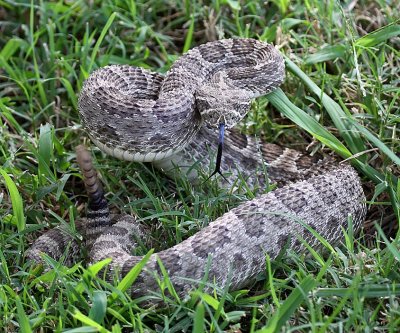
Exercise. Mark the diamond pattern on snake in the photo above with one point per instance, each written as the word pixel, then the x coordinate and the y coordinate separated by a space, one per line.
pixel 172 120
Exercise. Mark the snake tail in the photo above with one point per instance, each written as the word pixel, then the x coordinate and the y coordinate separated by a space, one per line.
pixel 98 215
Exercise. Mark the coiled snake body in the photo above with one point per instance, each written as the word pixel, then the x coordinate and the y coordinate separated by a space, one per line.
pixel 134 114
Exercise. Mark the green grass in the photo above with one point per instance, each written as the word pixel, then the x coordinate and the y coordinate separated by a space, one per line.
pixel 341 94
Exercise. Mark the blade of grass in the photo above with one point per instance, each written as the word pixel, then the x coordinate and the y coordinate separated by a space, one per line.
pixel 45 152
pixel 71 92
pixel 330 52
pixel 338 116
pixel 6 112
pixel 130 278
pixel 380 35
pixel 337 309
pixel 11 47
pixel 91 271
pixel 392 247
pixel 289 306
pixel 16 201
pixel 99 307
pixel 89 322
pixel 352 138
pixel 99 41
pixel 270 281
pixel 167 281
pixel 305 121
pixel 344 122
pixel 189 35
pixel 370 291
pixel 23 320
pixel 198 322
pixel 376 142
pixel 32 38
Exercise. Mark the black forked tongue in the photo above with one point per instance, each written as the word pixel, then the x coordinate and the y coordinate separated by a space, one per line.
pixel 219 152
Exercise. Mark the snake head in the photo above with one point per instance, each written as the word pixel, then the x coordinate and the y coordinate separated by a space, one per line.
pixel 219 102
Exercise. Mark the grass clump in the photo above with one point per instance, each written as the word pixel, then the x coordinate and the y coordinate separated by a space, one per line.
pixel 341 90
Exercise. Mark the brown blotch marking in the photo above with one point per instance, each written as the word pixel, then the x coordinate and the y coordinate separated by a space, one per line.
pixel 170 261
pixel 108 131
pixel 196 65
pixel 306 161
pixel 228 162
pixel 294 200
pixel 249 163
pixel 199 250
pixel 239 139
pixel 253 223
pixel 313 226
pixel 283 240
pixel 297 244
pixel 213 54
pixel 43 247
pixel 270 152
pixel 264 52
pixel 238 260
pixel 117 231
pixel 104 245
pixel 333 222
pixel 243 73
pixel 240 47
pixel 127 266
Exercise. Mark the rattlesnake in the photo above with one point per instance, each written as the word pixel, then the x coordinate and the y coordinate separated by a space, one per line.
pixel 134 114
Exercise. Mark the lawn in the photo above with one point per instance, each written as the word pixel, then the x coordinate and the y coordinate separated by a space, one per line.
pixel 340 96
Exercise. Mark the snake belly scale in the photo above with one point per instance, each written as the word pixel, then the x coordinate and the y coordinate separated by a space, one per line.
pixel 134 114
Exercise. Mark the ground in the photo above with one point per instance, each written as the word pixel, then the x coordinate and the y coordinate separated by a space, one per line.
pixel 342 63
